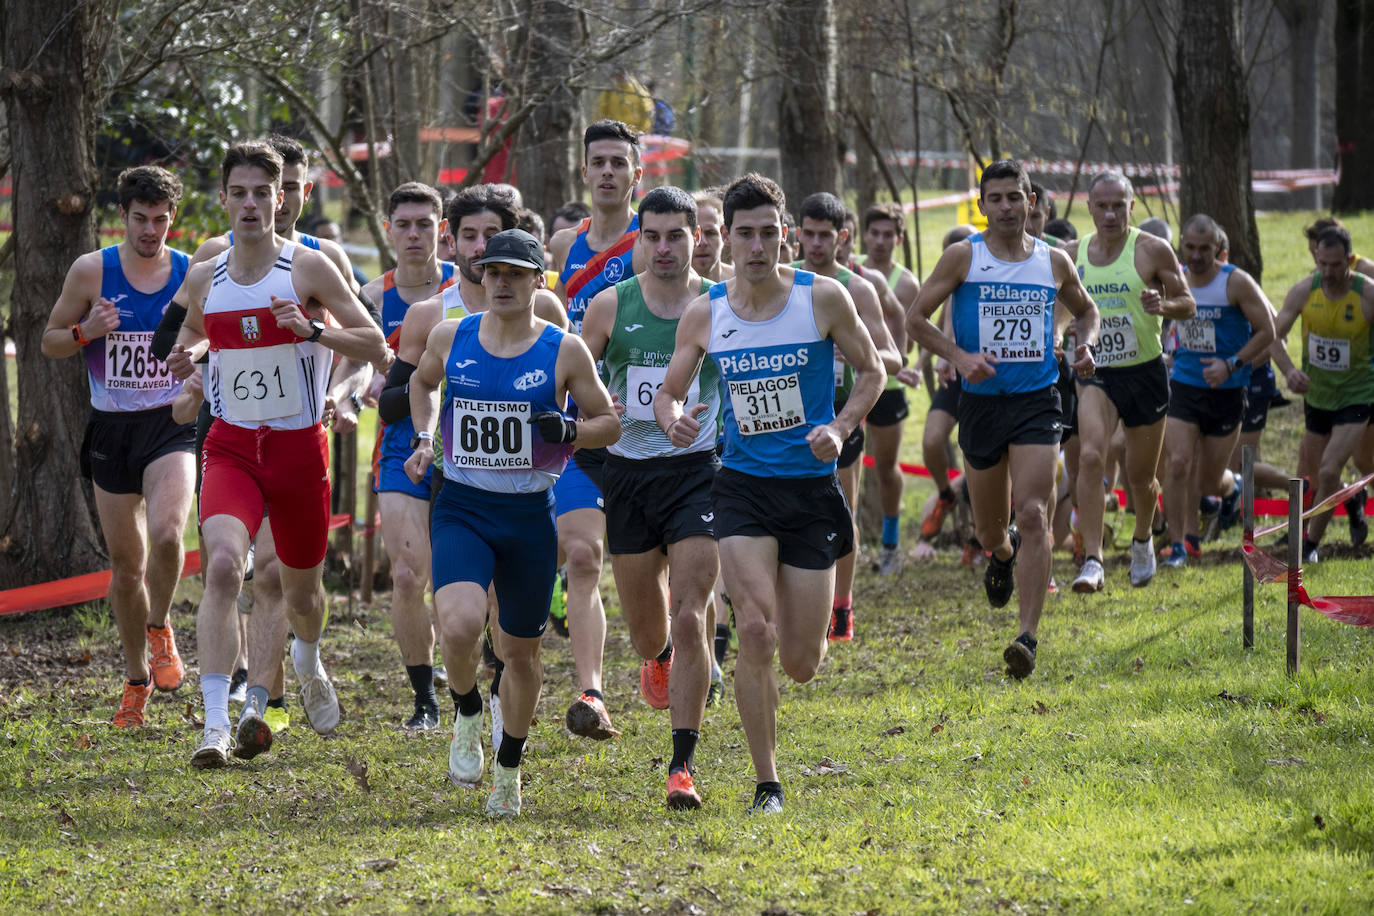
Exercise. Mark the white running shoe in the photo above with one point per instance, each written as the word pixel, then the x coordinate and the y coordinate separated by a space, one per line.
pixel 213 751
pixel 1142 561
pixel 320 701
pixel 498 722
pixel 889 561
pixel 465 750
pixel 1090 577
pixel 504 800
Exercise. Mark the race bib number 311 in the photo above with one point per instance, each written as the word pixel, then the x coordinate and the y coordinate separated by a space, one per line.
pixel 767 405
pixel 130 364
pixel 259 383
pixel 490 435
pixel 1014 332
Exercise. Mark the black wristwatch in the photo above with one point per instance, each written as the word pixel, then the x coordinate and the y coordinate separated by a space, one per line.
pixel 319 327
pixel 416 439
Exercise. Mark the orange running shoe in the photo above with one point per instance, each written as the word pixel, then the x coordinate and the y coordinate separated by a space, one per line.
pixel 841 625
pixel 932 523
pixel 682 794
pixel 130 713
pixel 587 717
pixel 167 670
pixel 653 681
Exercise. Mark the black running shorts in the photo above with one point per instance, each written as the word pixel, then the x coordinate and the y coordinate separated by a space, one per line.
pixel 1321 422
pixel 1215 412
pixel 1139 393
pixel 989 424
pixel 654 502
pixel 890 408
pixel 946 397
pixel 807 516
pixel 119 446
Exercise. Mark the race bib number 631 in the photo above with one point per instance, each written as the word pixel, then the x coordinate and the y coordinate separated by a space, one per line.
pixel 259 383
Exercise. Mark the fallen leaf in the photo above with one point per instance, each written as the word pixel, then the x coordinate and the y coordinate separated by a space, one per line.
pixel 359 770
pixel 1319 821
pixel 83 743
pixel 866 842
pixel 63 817
pixel 1286 762
pixel 894 730
pixel 1074 736
pixel 1233 697
pixel 379 864
pixel 568 890
pixel 83 659
pixel 1040 708
pixel 828 767
pixel 1139 663
pixel 972 758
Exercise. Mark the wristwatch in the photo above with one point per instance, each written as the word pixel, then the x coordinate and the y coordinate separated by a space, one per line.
pixel 319 327
pixel 416 439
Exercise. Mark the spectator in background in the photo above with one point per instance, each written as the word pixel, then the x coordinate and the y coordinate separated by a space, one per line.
pixel 1061 229
pixel 626 100
pixel 568 215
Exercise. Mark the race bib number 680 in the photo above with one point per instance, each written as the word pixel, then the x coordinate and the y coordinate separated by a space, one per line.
pixel 491 435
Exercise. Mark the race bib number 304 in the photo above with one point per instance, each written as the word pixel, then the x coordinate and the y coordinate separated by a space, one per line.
pixel 1117 343
pixel 642 383
pixel 130 364
pixel 1331 353
pixel 1198 335
pixel 1014 332
pixel 259 383
pixel 490 435
pixel 767 405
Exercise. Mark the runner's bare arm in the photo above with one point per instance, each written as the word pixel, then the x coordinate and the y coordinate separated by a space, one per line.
pixel 79 304
pixel 559 246
pixel 1172 299
pixel 1287 317
pixel 1367 303
pixel 949 273
pixel 191 344
pixel 424 395
pixel 597 423
pixel 837 319
pixel 599 322
pixel 550 308
pixel 867 302
pixel 318 280
pixel 689 349
pixel 1256 308
pixel 339 258
pixel 1078 303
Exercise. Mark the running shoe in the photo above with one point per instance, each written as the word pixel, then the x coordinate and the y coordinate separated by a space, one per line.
pixel 1079 556
pixel 277 719
pixel 587 717
pixel 425 718
pixel 1053 587
pixel 766 803
pixel 999 579
pixel 213 751
pixel 972 555
pixel 558 607
pixel 1309 553
pixel 440 677
pixel 1178 556
pixel 1090 577
pixel 1230 508
pixel 248 562
pixel 682 794
pixel 130 714
pixel 721 642
pixel 504 800
pixel 238 686
pixel 498 722
pixel 465 750
pixel 253 737
pixel 841 625
pixel 1359 526
pixel 1020 656
pixel 935 519
pixel 1142 562
pixel 167 670
pixel 320 702
pixel 653 681
pixel 715 693
pixel 1193 548
pixel 889 561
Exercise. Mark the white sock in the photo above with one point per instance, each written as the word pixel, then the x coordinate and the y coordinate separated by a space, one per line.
pixel 305 657
pixel 214 693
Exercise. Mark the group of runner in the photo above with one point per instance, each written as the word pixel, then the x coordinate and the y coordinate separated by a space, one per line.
pixel 702 421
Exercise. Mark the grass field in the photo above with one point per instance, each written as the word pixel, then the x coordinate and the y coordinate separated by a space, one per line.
pixel 1149 764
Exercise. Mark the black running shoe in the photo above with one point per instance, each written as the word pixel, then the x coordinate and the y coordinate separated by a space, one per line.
pixel 766 801
pixel 999 579
pixel 1020 656
pixel 1359 525
pixel 1230 509
pixel 424 719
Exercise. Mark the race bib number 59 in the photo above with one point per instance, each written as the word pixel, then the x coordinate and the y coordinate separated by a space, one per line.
pixel 1331 353
pixel 490 435
pixel 767 405
pixel 259 383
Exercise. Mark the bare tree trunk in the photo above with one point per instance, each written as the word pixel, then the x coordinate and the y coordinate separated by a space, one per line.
pixel 1354 92
pixel 808 118
pixel 50 531
pixel 1214 120
pixel 1303 19
pixel 548 153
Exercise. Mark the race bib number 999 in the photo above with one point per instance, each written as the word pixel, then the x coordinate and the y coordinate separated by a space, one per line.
pixel 767 405
pixel 1014 332
pixel 643 382
pixel 1116 343
pixel 490 435
pixel 259 383
pixel 1330 353
pixel 130 364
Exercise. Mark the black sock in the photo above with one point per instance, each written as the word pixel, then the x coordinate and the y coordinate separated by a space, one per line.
pixel 1027 640
pixel 1308 545
pixel 1193 540
pixel 667 652
pixel 141 682
pixel 722 642
pixel 1146 540
pixel 278 703
pixel 684 746
pixel 422 682
pixel 153 626
pixel 467 704
pixel 947 495
pixel 496 679
pixel 508 754
pixel 594 694
pixel 765 789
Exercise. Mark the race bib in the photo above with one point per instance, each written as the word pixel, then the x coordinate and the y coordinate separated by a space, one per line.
pixel 130 364
pixel 643 382
pixel 259 383
pixel 1116 343
pixel 490 435
pixel 1198 335
pixel 840 366
pixel 767 405
pixel 1328 353
pixel 1014 332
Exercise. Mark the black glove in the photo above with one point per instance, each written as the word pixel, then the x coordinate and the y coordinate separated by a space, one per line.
pixel 393 405
pixel 554 428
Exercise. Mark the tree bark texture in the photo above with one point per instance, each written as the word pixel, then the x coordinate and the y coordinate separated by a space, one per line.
pixel 1354 93
pixel 50 530
pixel 808 116
pixel 1214 125
pixel 549 148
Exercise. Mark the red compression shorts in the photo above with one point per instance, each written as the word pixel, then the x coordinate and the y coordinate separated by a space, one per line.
pixel 284 472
